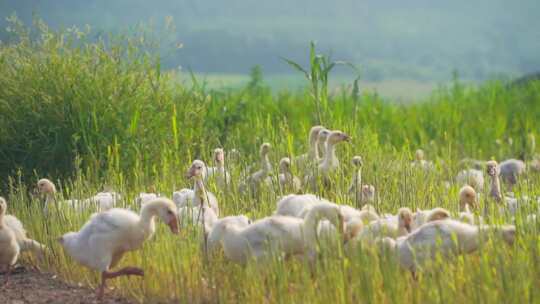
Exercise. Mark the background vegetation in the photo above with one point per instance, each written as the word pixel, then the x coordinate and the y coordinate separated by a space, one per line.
pixel 110 103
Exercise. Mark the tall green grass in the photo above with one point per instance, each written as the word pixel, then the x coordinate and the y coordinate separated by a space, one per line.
pixel 63 95
pixel 89 113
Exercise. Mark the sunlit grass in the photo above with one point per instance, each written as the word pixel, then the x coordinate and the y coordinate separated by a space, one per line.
pixel 177 270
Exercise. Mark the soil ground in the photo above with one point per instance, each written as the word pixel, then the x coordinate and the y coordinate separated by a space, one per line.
pixel 32 287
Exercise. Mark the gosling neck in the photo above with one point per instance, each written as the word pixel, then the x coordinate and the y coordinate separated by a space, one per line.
pixel 310 227
pixel 313 147
pixel 200 190
pixel 220 164
pixel 148 214
pixel 265 163
pixel 329 155
pixel 321 149
pixel 358 177
pixel 495 189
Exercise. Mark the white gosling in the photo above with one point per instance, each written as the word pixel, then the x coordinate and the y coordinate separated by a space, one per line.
pixel 200 195
pixel 493 172
pixel 367 215
pixel 330 162
pixel 106 200
pixel 9 248
pixel 203 216
pixel 145 197
pixel 445 237
pixel 354 220
pixel 284 234
pixel 25 243
pixel 295 204
pixel 47 189
pixel 421 217
pixel 508 204
pixel 254 181
pixel 219 173
pixel 420 161
pixel 107 236
pixel 183 197
pixel 321 143
pixel 358 163
pixel 299 205
pixel 361 194
pixel 467 197
pixel 312 157
pixel 102 201
pixel 388 227
pixel 287 181
pixel 471 177
pixel 216 233
pixel 510 170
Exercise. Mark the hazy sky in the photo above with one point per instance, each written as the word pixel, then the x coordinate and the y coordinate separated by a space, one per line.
pixel 425 39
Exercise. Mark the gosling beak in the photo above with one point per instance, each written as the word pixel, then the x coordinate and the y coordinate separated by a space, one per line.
pixel 408 226
pixel 347 138
pixel 219 158
pixel 173 225
pixel 190 173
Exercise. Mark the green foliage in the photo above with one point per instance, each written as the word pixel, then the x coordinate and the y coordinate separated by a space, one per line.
pixel 110 103
pixel 320 67
pixel 93 113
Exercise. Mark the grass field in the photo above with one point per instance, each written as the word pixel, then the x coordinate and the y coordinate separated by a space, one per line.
pixel 402 90
pixel 87 115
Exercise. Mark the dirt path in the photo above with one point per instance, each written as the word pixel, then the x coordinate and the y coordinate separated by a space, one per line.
pixel 28 286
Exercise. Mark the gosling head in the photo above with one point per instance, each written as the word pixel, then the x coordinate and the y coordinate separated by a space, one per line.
pixel 438 214
pixel 357 161
pixel 45 186
pixel 314 132
pixel 219 156
pixel 368 193
pixel 285 165
pixel 467 196
pixel 196 170
pixel 330 212
pixel 337 137
pixel 419 155
pixel 405 218
pixel 265 149
pixel 492 168
pixel 323 135
pixel 352 228
pixel 167 211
